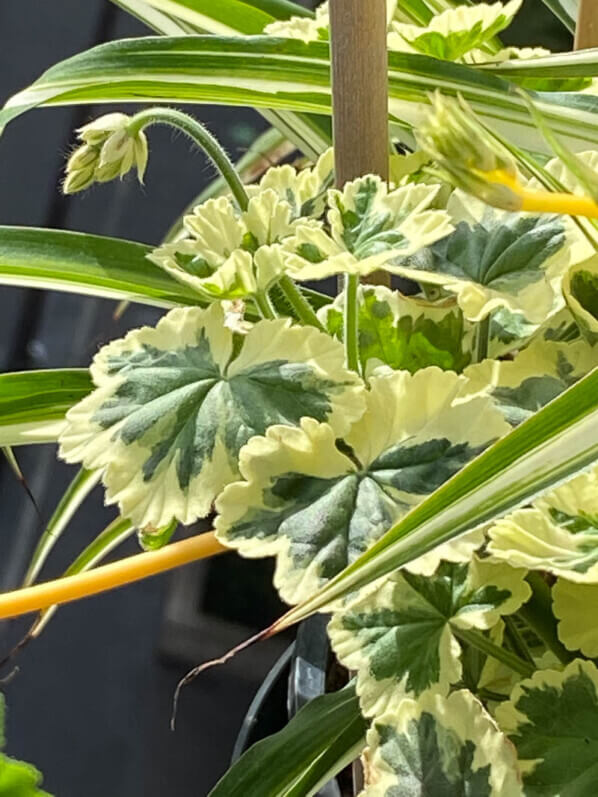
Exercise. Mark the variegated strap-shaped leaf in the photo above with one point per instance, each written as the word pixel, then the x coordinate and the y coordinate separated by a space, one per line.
pixel 558 534
pixel 399 637
pixel 173 405
pixel 574 605
pixel 369 225
pixel 228 254
pixel 404 332
pixel 552 718
pixel 439 747
pixel 534 377
pixel 580 288
pixel 455 32
pixel 317 507
pixel 496 259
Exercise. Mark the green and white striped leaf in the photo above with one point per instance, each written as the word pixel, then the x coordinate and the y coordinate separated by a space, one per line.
pixel 74 496
pixel 565 10
pixel 580 288
pixel 404 332
pixel 549 448
pixel 535 376
pixel 573 604
pixel 559 534
pixel 87 264
pixel 552 719
pixel 440 746
pixel 494 259
pixel 400 636
pixel 317 509
pixel 172 407
pixel 369 225
pixel 33 404
pixel 292 76
pixel 317 743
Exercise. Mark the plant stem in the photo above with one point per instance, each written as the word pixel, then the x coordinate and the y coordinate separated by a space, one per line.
pixel 351 322
pixel 537 613
pixel 201 136
pixel 516 640
pixel 116 574
pixel 482 338
pixel 264 305
pixel 545 201
pixel 305 312
pixel 478 641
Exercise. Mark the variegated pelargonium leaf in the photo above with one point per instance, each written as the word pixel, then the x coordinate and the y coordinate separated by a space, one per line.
pixel 538 374
pixel 552 719
pixel 400 638
pixel 174 404
pixel 314 28
pixel 229 254
pixel 574 605
pixel 439 747
pixel 369 225
pixel 558 534
pixel 453 33
pixel 496 259
pixel 404 332
pixel 317 506
pixel 580 287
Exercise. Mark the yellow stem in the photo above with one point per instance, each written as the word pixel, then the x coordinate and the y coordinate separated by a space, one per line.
pixel 545 201
pixel 116 574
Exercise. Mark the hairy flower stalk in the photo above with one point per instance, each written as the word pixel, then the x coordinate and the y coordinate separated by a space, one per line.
pixel 477 163
pixel 107 577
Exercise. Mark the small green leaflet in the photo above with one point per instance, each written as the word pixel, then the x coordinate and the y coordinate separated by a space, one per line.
pixel 455 32
pixel 581 293
pixel 318 506
pixel 399 637
pixel 17 779
pixel 559 534
pixel 441 747
pixel 173 406
pixel 493 259
pixel 323 737
pixel 403 332
pixel 552 719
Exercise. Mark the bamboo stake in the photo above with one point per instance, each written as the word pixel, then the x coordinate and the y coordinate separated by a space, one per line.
pixel 586 31
pixel 360 92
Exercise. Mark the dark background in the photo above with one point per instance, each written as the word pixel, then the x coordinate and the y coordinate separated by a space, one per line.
pixel 90 703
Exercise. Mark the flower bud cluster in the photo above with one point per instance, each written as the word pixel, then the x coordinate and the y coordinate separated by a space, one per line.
pixel 109 149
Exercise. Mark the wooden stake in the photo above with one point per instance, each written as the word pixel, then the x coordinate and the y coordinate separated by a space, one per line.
pixel 360 92
pixel 586 32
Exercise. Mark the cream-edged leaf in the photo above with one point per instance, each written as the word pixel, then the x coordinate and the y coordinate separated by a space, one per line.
pixel 317 507
pixel 172 407
pixel 558 534
pixel 404 332
pixel 453 33
pixel 574 605
pixel 439 747
pixel 552 719
pixel 229 254
pixel 399 638
pixel 496 259
pixel 580 288
pixel 538 374
pixel 369 225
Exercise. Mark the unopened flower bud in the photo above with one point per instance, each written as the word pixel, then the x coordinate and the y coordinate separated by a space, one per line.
pixel 473 158
pixel 109 150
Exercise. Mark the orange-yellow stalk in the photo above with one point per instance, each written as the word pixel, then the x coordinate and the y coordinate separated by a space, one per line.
pixel 117 574
pixel 545 201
